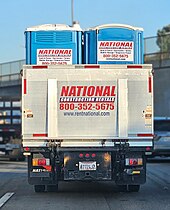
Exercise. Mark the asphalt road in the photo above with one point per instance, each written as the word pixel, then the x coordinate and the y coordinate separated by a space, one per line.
pixel 155 194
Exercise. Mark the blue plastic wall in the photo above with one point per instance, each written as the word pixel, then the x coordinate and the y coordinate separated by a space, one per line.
pixel 113 46
pixel 53 47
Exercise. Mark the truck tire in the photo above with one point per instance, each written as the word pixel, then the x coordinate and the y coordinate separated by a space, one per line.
pixel 133 188
pixel 21 158
pixel 52 188
pixel 122 188
pixel 13 159
pixel 39 188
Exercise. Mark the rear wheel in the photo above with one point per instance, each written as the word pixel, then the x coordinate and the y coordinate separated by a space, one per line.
pixel 122 188
pixel 52 188
pixel 12 159
pixel 21 158
pixel 133 188
pixel 39 188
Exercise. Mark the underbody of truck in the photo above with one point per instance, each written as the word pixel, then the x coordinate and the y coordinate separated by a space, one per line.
pixel 121 164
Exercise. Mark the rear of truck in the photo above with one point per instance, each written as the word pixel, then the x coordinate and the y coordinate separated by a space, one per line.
pixel 87 123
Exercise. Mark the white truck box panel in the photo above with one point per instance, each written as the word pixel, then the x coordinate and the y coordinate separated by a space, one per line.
pixel 74 102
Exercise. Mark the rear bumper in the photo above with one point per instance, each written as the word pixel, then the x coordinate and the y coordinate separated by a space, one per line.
pixel 87 165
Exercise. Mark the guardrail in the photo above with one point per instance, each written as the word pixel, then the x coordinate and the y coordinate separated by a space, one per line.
pixel 13 67
pixel 10 73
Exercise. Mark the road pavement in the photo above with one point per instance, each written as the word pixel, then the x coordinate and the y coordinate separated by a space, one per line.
pixel 155 194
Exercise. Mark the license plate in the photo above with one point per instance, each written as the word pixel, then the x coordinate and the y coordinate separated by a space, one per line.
pixel 87 166
pixel 2 153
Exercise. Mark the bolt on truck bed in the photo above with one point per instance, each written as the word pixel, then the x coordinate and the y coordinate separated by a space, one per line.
pixel 87 105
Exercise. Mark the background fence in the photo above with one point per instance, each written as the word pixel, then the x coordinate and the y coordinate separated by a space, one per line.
pixel 10 73
pixel 13 67
pixel 157 49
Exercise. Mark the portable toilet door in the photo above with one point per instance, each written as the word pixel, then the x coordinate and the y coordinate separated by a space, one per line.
pixel 53 44
pixel 113 44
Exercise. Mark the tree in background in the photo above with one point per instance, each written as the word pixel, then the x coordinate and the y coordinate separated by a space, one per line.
pixel 163 39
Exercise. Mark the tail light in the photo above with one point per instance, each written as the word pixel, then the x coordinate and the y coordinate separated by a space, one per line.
pixel 81 155
pixel 148 149
pixel 40 162
pixel 93 155
pixel 87 155
pixel 134 161
pixel 27 149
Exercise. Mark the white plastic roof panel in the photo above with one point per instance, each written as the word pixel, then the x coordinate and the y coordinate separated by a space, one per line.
pixel 115 26
pixel 55 27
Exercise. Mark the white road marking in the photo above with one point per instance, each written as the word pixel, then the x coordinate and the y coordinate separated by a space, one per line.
pixel 5 198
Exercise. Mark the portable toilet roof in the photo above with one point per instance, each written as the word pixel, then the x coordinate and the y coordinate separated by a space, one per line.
pixel 115 25
pixel 55 27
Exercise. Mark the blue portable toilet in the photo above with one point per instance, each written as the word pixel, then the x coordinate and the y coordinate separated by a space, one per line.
pixel 54 44
pixel 113 44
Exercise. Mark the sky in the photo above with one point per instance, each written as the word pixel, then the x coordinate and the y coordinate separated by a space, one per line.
pixel 17 15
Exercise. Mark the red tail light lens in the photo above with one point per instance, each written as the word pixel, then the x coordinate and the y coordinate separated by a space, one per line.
pixel 42 162
pixel 148 148
pixel 26 149
pixel 93 155
pixel 87 155
pixel 81 155
pixel 133 162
